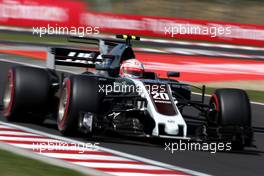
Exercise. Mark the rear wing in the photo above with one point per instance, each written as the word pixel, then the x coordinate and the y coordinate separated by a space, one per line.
pixel 86 58
pixel 104 45
pixel 72 57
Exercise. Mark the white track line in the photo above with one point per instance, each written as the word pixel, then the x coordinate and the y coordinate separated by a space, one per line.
pixel 115 152
pixel 227 46
pixel 45 148
pixel 90 156
pixel 103 36
pixel 33 65
pixel 188 43
pixel 49 160
pixel 138 174
pixel 17 133
pixel 3 126
pixel 36 140
pixel 111 165
pixel 118 165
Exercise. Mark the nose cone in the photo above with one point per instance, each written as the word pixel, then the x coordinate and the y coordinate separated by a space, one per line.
pixel 171 128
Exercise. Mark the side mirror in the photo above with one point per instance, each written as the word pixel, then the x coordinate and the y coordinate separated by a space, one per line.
pixel 173 74
pixel 149 75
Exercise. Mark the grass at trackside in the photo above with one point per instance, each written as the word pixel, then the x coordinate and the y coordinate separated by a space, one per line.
pixel 59 40
pixel 52 39
pixel 23 37
pixel 15 165
pixel 256 96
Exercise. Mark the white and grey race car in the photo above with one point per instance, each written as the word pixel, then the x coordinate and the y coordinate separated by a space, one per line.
pixel 101 101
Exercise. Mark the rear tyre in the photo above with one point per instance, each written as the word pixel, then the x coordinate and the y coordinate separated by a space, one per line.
pixel 27 91
pixel 231 115
pixel 79 95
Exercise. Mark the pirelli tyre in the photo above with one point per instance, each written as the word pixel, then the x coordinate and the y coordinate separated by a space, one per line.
pixel 79 95
pixel 230 114
pixel 27 91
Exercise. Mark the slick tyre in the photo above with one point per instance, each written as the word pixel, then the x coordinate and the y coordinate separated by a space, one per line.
pixel 27 91
pixel 78 96
pixel 231 108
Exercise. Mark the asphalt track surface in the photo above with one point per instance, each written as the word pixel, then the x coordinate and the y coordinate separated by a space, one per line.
pixel 247 162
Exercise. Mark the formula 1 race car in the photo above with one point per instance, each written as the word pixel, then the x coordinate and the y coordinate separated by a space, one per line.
pixel 104 100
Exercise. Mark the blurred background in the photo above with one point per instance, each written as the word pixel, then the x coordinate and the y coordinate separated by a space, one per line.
pixel 243 11
pixel 28 28
pixel 232 59
pixel 147 18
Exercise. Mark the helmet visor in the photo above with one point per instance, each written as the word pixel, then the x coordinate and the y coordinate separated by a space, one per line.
pixel 134 73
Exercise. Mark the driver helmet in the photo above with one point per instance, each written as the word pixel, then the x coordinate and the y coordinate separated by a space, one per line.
pixel 132 68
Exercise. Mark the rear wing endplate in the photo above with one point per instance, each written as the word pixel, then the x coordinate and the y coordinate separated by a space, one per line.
pixel 72 57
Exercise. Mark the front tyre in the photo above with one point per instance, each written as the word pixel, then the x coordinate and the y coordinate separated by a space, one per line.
pixel 230 115
pixel 79 95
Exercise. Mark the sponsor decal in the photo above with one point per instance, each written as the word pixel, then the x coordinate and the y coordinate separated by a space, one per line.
pixel 161 99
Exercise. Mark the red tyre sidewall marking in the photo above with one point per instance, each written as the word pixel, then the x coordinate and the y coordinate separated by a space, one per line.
pixel 11 77
pixel 215 100
pixel 66 111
